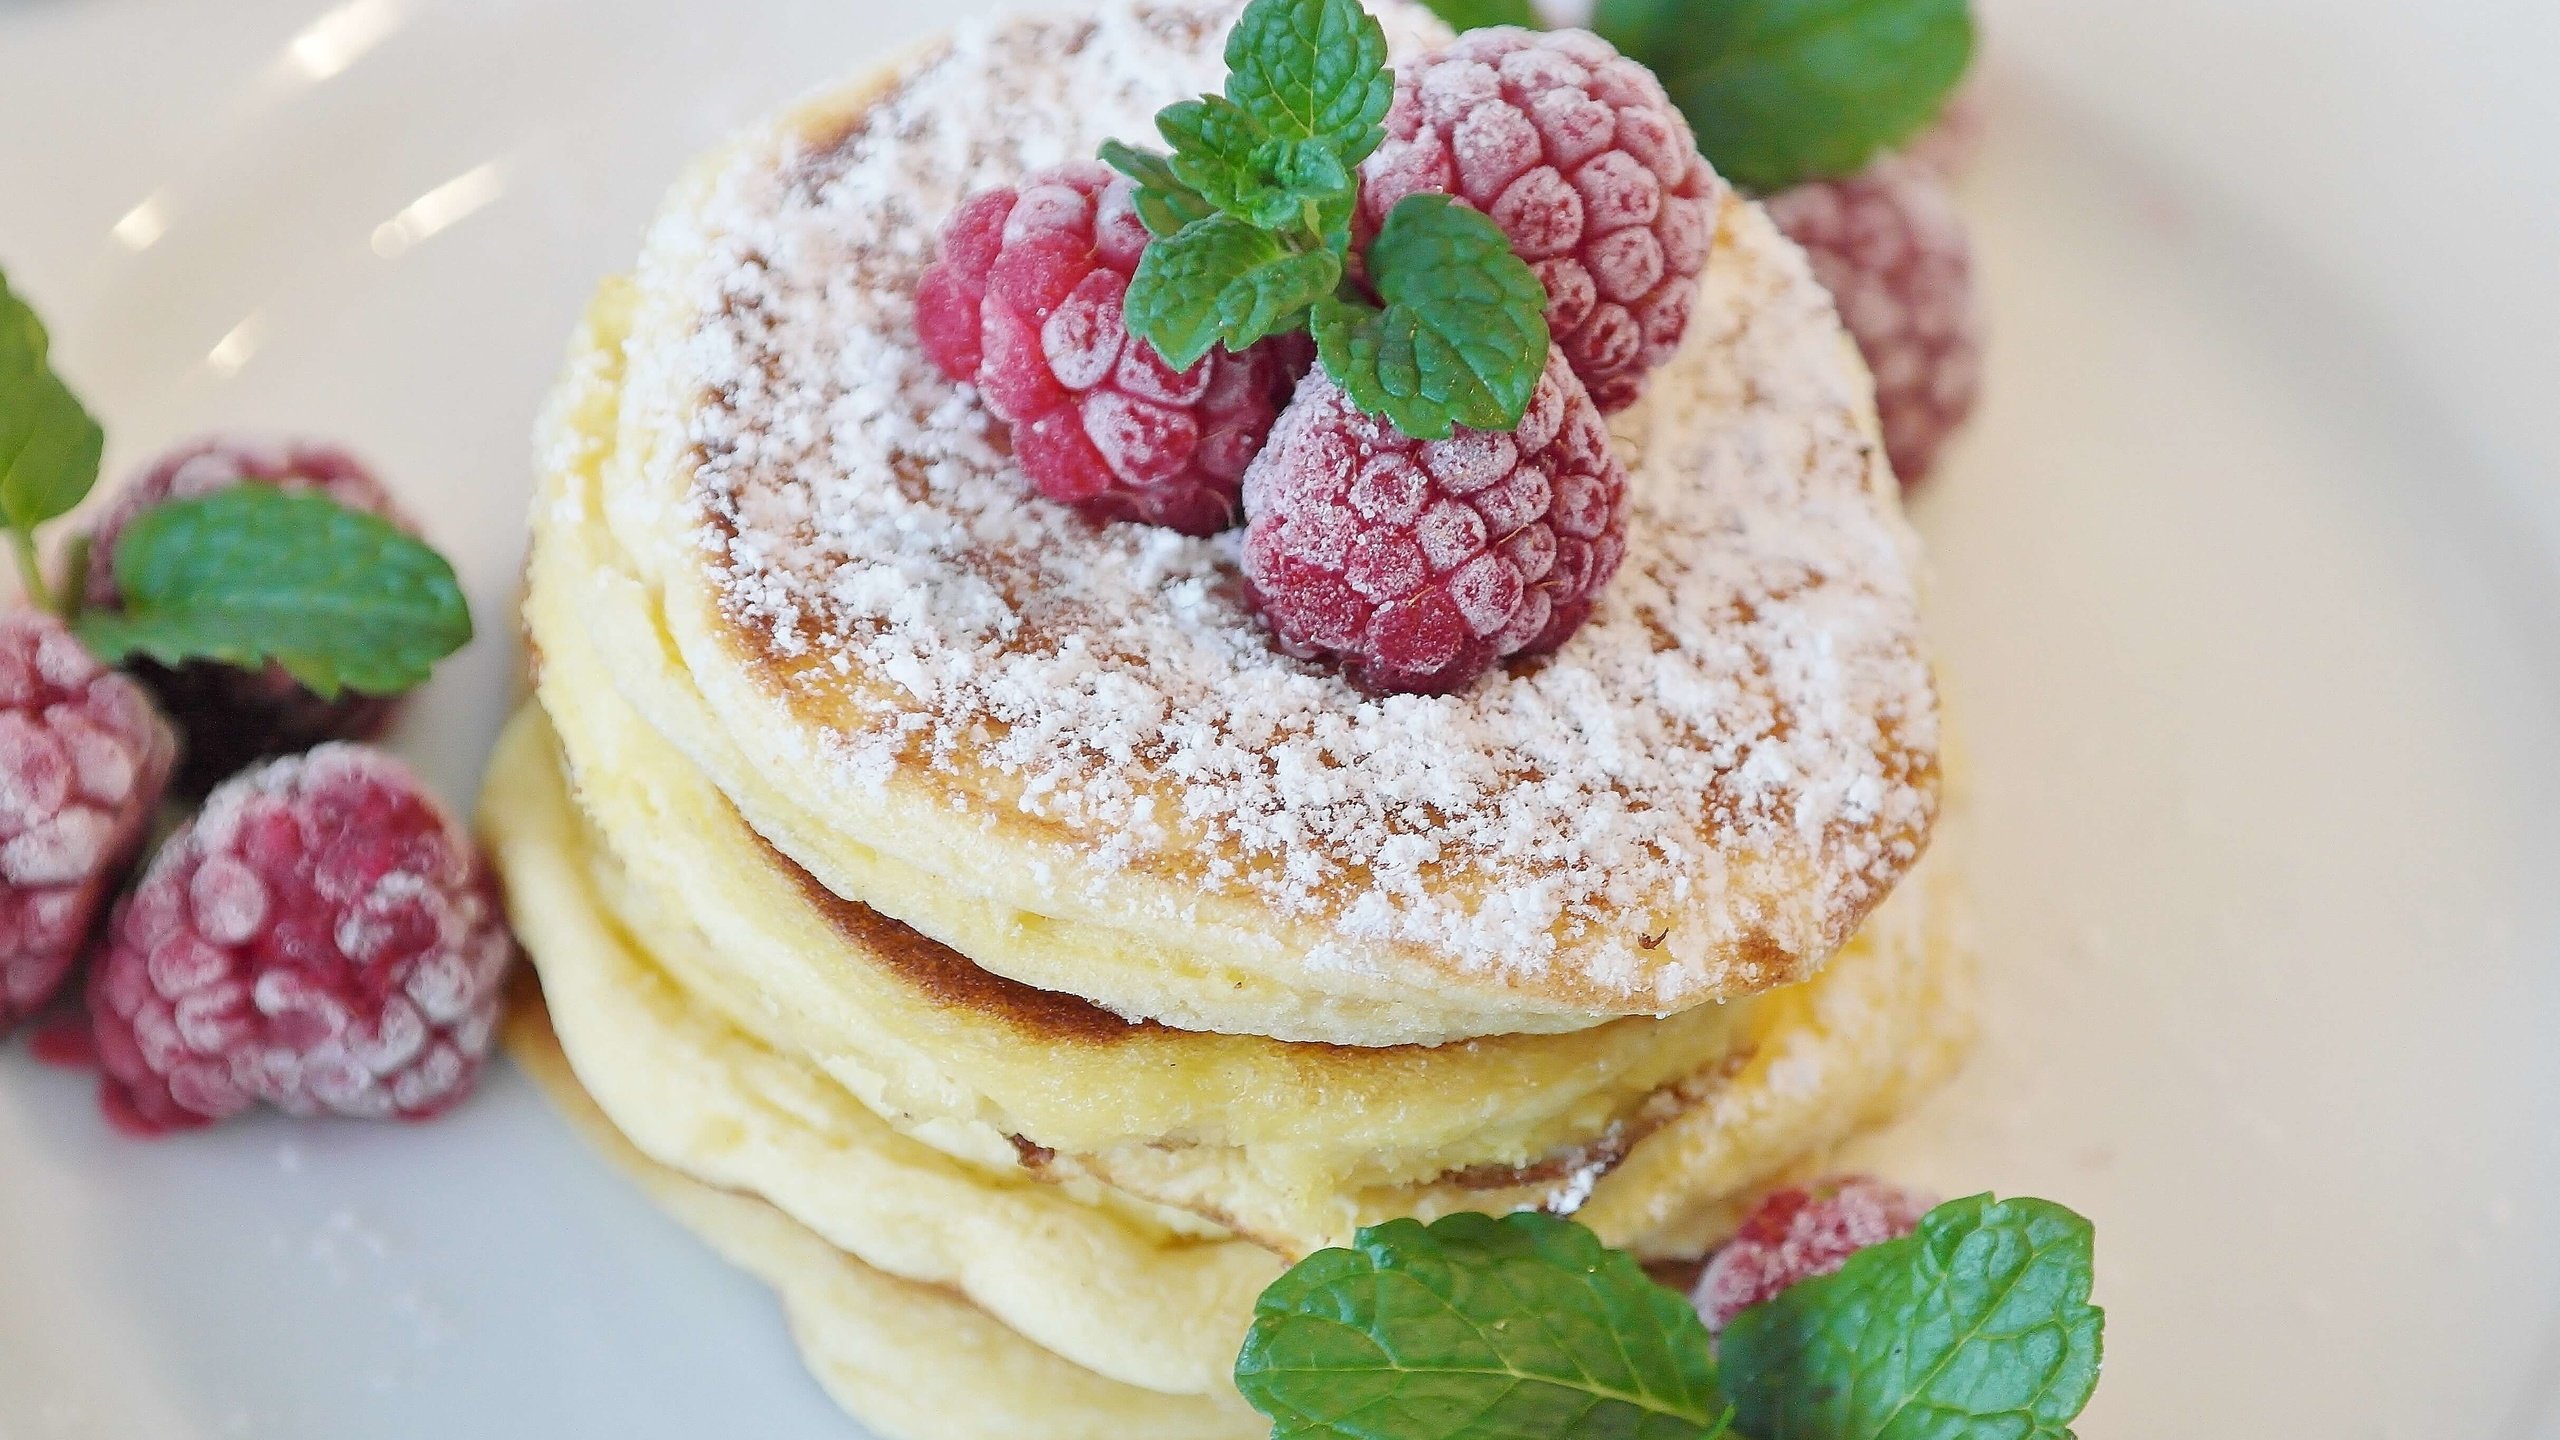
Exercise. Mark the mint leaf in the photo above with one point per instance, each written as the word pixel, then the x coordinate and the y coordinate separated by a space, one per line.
pixel 1782 91
pixel 49 445
pixel 1272 182
pixel 250 574
pixel 1213 148
pixel 1473 1328
pixel 1463 337
pixel 1222 280
pixel 1164 203
pixel 1477 14
pixel 1312 70
pixel 1977 1324
pixel 1312 174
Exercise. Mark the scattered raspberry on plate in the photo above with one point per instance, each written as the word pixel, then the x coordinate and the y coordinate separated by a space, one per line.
pixel 324 938
pixel 1952 145
pixel 232 717
pixel 1797 1234
pixel 1894 253
pixel 83 759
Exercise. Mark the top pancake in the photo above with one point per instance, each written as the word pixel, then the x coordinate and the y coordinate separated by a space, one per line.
pixel 941 694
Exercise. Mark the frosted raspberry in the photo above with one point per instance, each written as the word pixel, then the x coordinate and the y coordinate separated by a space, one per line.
pixel 1025 301
pixel 1891 248
pixel 1797 1234
pixel 83 759
pixel 1420 563
pixel 324 938
pixel 1952 144
pixel 1577 154
pixel 232 717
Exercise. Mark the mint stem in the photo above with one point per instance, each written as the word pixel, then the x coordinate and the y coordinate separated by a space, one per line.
pixel 31 568
pixel 75 593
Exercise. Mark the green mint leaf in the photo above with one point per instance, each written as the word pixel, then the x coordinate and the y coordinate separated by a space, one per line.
pixel 1477 14
pixel 1271 182
pixel 340 598
pixel 49 444
pixel 1977 1324
pixel 1309 171
pixel 1463 337
pixel 1782 91
pixel 1164 203
pixel 1222 281
pixel 1473 1328
pixel 1312 70
pixel 1213 148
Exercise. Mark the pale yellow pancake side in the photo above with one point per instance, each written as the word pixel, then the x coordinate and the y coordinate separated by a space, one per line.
pixel 1887 1018
pixel 1114 1293
pixel 910 1361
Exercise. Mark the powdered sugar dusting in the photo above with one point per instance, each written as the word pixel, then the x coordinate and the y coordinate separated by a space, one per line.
pixel 1725 768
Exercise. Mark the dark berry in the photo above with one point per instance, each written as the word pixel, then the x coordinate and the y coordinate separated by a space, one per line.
pixel 232 717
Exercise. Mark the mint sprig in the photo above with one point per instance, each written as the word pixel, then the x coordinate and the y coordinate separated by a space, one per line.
pixel 1527 1328
pixel 1165 203
pixel 1312 70
pixel 1461 309
pixel 49 444
pixel 1251 211
pixel 1222 280
pixel 1977 1324
pixel 1280 183
pixel 1784 91
pixel 341 599
pixel 1473 1328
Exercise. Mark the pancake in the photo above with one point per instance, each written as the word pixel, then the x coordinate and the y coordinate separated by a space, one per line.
pixel 1070 754
pixel 1091 1275
pixel 710 1091
pixel 963 916
pixel 908 1360
pixel 1116 1294
pixel 984 1064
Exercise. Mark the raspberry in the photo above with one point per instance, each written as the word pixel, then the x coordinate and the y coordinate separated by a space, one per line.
pixel 83 759
pixel 1892 250
pixel 1952 144
pixel 232 717
pixel 1422 562
pixel 324 938
pixel 1025 300
pixel 1578 155
pixel 1797 1234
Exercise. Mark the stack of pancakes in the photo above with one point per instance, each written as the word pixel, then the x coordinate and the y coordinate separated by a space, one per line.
pixel 963 916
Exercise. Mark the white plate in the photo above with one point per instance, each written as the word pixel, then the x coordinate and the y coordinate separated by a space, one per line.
pixel 2246 582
